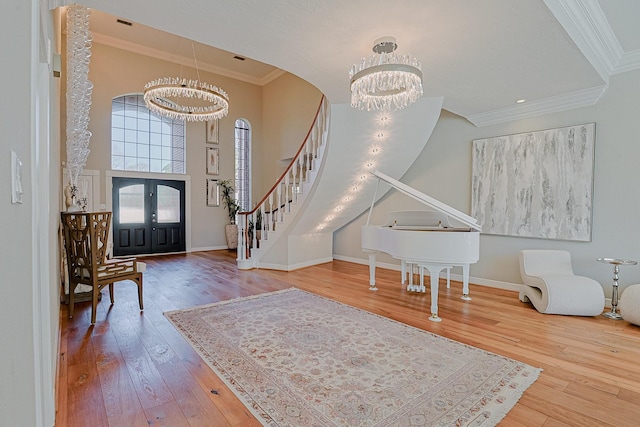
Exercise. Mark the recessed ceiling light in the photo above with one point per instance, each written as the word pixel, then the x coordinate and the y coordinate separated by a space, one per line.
pixel 520 101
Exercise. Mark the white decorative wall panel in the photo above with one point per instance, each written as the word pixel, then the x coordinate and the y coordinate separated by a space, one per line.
pixel 535 184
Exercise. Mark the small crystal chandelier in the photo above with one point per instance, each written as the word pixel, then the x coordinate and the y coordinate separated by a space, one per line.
pixel 386 81
pixel 204 101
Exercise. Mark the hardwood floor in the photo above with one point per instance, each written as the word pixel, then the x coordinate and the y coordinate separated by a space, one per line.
pixel 134 369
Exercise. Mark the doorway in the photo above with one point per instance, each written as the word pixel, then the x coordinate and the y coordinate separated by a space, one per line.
pixel 148 216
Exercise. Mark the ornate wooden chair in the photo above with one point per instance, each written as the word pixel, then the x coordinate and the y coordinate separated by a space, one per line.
pixel 85 237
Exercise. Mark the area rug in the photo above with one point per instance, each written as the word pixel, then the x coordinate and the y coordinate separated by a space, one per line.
pixel 298 359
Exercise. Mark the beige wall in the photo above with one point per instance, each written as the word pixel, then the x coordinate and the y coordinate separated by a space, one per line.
pixel 287 104
pixel 443 170
pixel 289 107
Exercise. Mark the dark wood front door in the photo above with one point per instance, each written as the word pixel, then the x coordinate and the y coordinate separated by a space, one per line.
pixel 148 216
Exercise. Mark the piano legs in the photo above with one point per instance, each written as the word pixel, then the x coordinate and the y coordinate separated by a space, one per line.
pixel 372 271
pixel 465 282
pixel 434 274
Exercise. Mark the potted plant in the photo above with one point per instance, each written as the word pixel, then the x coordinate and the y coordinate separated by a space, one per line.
pixel 258 229
pixel 232 206
pixel 258 226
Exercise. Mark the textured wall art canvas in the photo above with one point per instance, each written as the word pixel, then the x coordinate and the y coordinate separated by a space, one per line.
pixel 535 184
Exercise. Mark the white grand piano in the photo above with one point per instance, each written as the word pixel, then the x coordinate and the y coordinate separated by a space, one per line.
pixel 423 238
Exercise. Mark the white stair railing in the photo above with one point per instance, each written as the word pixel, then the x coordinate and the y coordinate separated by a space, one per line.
pixel 260 224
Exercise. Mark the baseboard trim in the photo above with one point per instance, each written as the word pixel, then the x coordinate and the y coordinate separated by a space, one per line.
pixel 457 277
pixel 282 267
pixel 209 248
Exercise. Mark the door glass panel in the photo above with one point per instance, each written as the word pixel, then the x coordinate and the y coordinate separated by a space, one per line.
pixel 131 201
pixel 168 204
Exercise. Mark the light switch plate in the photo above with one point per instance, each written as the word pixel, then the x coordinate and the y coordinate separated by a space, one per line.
pixel 16 178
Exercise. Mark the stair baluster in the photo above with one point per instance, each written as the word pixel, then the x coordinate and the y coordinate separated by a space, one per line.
pixel 285 192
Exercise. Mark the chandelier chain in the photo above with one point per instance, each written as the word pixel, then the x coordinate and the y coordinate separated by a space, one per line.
pixel 195 59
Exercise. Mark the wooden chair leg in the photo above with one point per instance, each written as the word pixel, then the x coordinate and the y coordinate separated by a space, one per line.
pixel 139 283
pixel 94 303
pixel 111 292
pixel 72 291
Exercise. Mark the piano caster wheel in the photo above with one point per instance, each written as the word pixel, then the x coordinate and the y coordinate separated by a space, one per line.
pixel 435 318
pixel 466 297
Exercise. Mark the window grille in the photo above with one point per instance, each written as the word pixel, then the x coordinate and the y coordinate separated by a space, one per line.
pixel 243 164
pixel 145 142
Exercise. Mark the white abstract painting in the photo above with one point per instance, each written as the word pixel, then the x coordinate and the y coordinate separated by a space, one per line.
pixel 535 184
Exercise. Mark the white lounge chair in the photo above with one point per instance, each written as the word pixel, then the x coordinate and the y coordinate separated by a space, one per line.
pixel 552 287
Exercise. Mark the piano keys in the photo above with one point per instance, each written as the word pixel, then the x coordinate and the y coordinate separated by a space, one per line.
pixel 424 238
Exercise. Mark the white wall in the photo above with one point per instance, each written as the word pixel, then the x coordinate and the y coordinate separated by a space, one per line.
pixel 443 170
pixel 28 307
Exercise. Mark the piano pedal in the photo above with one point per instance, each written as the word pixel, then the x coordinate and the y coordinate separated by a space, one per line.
pixel 417 289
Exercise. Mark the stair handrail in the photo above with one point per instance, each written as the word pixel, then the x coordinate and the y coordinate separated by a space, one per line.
pixel 288 169
pixel 243 216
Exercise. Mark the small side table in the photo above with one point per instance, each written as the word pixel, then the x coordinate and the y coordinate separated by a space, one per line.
pixel 616 262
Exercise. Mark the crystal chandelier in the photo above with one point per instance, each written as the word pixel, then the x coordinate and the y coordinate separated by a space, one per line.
pixel 199 101
pixel 386 81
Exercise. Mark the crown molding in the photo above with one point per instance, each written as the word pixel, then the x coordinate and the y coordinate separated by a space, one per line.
pixel 554 104
pixel 586 24
pixel 182 60
pixel 271 76
pixel 629 61
pixel 58 3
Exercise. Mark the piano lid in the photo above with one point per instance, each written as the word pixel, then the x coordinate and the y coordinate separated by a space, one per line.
pixel 429 201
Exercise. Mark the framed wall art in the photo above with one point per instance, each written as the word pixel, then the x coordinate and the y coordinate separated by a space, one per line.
pixel 212 132
pixel 213 160
pixel 535 184
pixel 213 192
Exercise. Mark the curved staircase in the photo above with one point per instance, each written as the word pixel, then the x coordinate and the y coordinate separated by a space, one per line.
pixel 328 182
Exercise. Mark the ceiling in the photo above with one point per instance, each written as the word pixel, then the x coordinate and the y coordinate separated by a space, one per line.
pixel 481 56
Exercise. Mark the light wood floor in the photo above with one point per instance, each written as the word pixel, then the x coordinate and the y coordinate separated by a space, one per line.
pixel 134 369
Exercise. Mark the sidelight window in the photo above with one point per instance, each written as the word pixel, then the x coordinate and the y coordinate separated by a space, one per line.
pixel 243 164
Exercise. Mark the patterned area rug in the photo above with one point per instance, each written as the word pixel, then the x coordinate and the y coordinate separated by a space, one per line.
pixel 297 359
